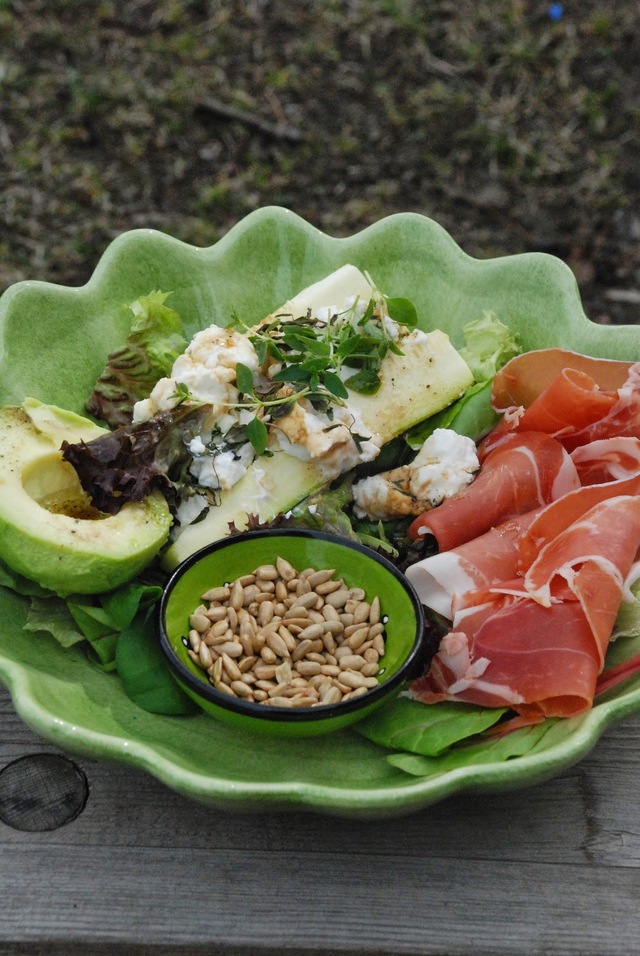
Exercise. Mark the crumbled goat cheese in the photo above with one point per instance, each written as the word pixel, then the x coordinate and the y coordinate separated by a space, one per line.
pixel 222 469
pixel 445 464
pixel 207 369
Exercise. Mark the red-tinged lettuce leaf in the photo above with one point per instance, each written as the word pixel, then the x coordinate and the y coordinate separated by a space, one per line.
pixel 134 460
pixel 406 724
pixel 155 341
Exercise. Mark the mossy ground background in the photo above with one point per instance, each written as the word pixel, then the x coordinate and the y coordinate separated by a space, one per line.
pixel 514 124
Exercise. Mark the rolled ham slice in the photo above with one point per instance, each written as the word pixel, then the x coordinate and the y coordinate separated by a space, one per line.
pixel 623 419
pixel 571 401
pixel 575 409
pixel 442 578
pixel 607 459
pixel 536 660
pixel 525 377
pixel 589 562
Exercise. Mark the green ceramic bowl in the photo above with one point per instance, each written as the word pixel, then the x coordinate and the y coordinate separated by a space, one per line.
pixel 264 260
pixel 226 560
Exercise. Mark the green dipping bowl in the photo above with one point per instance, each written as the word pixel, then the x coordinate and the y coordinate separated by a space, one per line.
pixel 231 558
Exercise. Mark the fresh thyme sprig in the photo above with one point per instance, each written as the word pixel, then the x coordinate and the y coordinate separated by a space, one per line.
pixel 181 394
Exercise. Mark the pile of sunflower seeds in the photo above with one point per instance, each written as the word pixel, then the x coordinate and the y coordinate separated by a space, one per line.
pixel 288 639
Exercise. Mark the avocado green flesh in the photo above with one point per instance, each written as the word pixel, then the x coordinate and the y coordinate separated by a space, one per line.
pixel 49 531
pixel 426 378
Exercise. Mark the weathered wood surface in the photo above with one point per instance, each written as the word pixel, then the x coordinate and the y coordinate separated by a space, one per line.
pixel 554 869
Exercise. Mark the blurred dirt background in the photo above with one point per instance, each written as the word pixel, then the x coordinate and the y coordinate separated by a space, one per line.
pixel 515 124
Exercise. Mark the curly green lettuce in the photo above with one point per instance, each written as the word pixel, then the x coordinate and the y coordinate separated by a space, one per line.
pixel 154 342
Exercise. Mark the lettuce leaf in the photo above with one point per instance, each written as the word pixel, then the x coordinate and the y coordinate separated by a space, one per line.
pixel 518 743
pixel 51 615
pixel 97 619
pixel 489 344
pixel 154 342
pixel 144 673
pixel 119 632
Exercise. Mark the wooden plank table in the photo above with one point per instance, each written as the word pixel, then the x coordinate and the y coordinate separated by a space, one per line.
pixel 554 869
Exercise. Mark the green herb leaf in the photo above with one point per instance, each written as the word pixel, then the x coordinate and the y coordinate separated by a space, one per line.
pixel 366 381
pixel 257 435
pixel 244 379
pixel 368 312
pixel 348 346
pixel 334 384
pixel 292 373
pixel 181 394
pixel 297 331
pixel 403 311
pixel 310 345
pixel 262 349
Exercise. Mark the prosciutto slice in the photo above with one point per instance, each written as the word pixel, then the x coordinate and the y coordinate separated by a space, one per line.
pixel 524 472
pixel 442 578
pixel 575 409
pixel 525 377
pixel 607 459
pixel 534 659
pixel 571 402
pixel 557 517
pixel 589 562
pixel 537 554
pixel 623 419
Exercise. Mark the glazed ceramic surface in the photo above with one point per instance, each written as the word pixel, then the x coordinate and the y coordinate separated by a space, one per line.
pixel 54 342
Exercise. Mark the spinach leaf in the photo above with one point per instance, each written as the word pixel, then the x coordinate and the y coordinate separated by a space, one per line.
pixel 145 676
pixel 518 743
pixel 426 729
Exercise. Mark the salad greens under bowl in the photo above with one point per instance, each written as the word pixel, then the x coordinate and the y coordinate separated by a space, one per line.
pixel 54 344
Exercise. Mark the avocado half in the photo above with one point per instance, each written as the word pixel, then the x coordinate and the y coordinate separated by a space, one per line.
pixel 49 531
